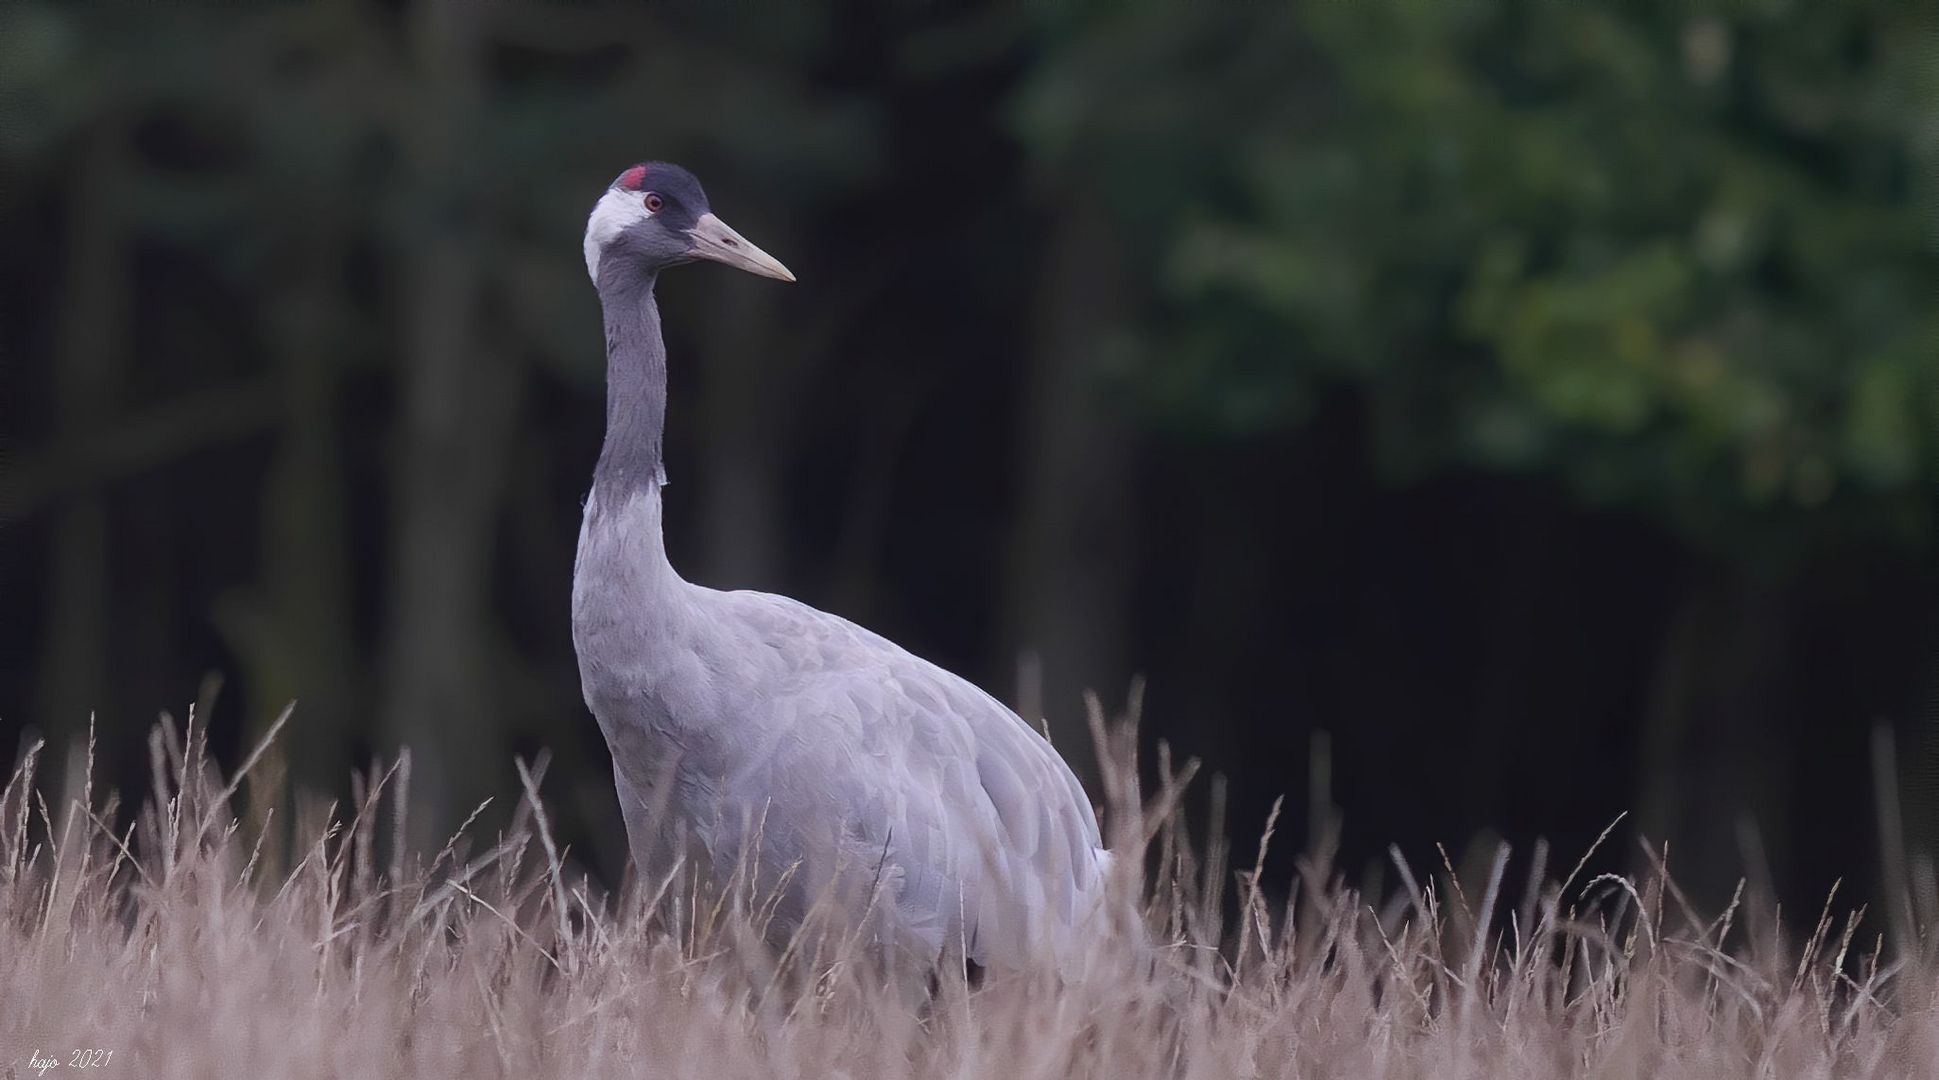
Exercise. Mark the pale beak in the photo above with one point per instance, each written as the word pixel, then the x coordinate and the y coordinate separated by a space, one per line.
pixel 714 240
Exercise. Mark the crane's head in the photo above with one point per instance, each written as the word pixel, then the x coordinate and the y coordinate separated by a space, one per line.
pixel 654 216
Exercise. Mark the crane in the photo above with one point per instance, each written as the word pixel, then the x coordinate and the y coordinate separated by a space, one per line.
pixel 752 734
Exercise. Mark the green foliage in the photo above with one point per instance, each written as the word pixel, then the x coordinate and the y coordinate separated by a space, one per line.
pixel 1674 258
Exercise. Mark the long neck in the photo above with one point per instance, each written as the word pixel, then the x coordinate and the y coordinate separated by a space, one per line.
pixel 636 390
pixel 622 582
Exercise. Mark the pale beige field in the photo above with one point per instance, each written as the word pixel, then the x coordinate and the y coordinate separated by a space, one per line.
pixel 178 947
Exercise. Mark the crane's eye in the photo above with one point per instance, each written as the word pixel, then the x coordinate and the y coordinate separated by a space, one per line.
pixel 654 202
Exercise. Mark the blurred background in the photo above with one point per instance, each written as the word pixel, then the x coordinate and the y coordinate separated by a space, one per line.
pixel 1504 415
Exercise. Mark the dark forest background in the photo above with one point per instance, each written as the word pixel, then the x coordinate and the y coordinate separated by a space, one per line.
pixel 1536 400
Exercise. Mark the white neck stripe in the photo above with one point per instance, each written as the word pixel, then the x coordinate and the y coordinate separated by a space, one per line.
pixel 614 213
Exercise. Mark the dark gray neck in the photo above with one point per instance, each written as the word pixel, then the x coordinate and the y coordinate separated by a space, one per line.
pixel 636 387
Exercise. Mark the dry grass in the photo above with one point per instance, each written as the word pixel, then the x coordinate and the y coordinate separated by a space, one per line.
pixel 177 946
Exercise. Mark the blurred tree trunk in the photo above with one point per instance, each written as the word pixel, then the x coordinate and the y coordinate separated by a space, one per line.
pixel 1919 739
pixel 293 633
pixel 1918 755
pixel 94 289
pixel 454 419
pixel 1226 564
pixel 1503 706
pixel 1076 550
pixel 1719 744
pixel 751 387
pixel 747 390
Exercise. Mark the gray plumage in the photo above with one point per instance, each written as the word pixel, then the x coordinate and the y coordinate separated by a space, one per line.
pixel 750 730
